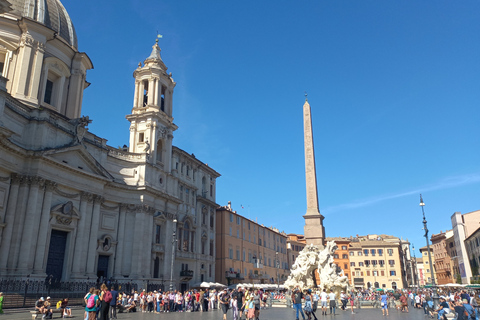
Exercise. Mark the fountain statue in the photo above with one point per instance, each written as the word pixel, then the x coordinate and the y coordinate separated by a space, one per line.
pixel 312 258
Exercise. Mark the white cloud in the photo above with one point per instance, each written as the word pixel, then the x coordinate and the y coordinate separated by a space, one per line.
pixel 446 183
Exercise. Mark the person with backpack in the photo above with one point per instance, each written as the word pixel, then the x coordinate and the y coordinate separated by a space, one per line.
pixel 113 303
pixel 224 302
pixel 92 301
pixel 105 299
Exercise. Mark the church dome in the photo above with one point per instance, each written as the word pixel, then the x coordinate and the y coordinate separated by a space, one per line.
pixel 51 13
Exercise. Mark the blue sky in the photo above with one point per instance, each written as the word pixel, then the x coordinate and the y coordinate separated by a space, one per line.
pixel 393 85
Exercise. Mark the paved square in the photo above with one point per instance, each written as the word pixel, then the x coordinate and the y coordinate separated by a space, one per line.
pixel 276 313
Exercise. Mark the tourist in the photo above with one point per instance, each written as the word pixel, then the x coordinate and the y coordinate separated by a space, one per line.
pixel 352 301
pixel 105 299
pixel 39 305
pixel 469 309
pixel 206 294
pixel 308 305
pixel 224 302
pixel 324 301
pixel 459 308
pixel 256 303
pixel 332 302
pixel 92 301
pixel 240 302
pixel 443 308
pixel 66 311
pixel 404 302
pixel 179 302
pixel 315 298
pixel 1 302
pixel 113 303
pixel 343 300
pixel 384 303
pixel 47 309
pixel 297 296
pixel 234 304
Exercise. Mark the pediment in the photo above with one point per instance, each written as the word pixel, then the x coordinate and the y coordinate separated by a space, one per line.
pixel 77 157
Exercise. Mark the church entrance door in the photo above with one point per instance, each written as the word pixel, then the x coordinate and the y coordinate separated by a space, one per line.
pixel 56 254
pixel 102 267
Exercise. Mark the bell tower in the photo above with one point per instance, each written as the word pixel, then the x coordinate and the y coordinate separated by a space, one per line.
pixel 151 121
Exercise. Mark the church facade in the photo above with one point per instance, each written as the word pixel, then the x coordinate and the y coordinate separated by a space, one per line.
pixel 71 206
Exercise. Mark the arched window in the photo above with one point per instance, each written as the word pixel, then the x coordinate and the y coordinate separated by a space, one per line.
pixel 394 285
pixel 377 285
pixel 159 151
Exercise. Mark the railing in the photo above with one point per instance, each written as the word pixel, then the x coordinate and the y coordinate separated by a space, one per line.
pixel 186 273
pixel 24 293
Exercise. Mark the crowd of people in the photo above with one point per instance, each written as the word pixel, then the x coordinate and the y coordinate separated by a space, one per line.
pixel 102 304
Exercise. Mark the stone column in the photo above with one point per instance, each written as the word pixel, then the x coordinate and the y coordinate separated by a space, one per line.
pixel 141 92
pixel 9 222
pixel 135 94
pixel 158 93
pixel 30 231
pixel 78 268
pixel 41 251
pixel 37 71
pixel 119 255
pixel 19 223
pixel 151 91
pixel 20 84
pixel 93 240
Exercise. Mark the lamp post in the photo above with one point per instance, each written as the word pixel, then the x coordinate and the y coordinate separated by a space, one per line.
pixel 434 286
pixel 415 280
pixel 174 240
pixel 277 265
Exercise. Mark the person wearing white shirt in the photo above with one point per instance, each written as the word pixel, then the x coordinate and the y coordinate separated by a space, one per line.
pixel 324 301
pixel 332 302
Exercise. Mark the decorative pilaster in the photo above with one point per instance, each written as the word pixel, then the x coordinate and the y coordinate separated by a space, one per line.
pixel 9 222
pixel 30 231
pixel 19 223
pixel 137 265
pixel 93 240
pixel 119 255
pixel 79 263
pixel 41 251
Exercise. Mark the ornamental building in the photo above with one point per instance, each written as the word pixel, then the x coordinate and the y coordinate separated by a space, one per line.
pixel 71 206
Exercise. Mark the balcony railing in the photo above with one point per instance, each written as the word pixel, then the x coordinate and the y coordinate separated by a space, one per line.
pixel 186 273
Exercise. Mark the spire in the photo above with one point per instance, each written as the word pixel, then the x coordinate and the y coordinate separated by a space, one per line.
pixel 155 57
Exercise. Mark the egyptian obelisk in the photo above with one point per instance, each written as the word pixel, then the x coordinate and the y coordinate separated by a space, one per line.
pixel 314 230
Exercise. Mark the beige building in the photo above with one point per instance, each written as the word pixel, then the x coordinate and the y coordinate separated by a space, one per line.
pixel 71 206
pixel 463 225
pixel 472 244
pixel 376 262
pixel 420 272
pixel 295 244
pixel 443 263
pixel 247 251
pixel 426 265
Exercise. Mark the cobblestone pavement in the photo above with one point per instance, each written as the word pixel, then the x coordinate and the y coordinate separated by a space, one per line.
pixel 275 313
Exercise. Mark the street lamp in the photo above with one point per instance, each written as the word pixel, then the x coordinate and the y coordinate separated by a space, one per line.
pixel 174 239
pixel 415 280
pixel 434 286
pixel 278 276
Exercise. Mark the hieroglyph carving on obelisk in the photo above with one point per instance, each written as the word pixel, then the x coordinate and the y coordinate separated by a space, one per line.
pixel 314 230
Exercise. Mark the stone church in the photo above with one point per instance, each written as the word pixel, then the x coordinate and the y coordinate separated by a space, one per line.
pixel 71 206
